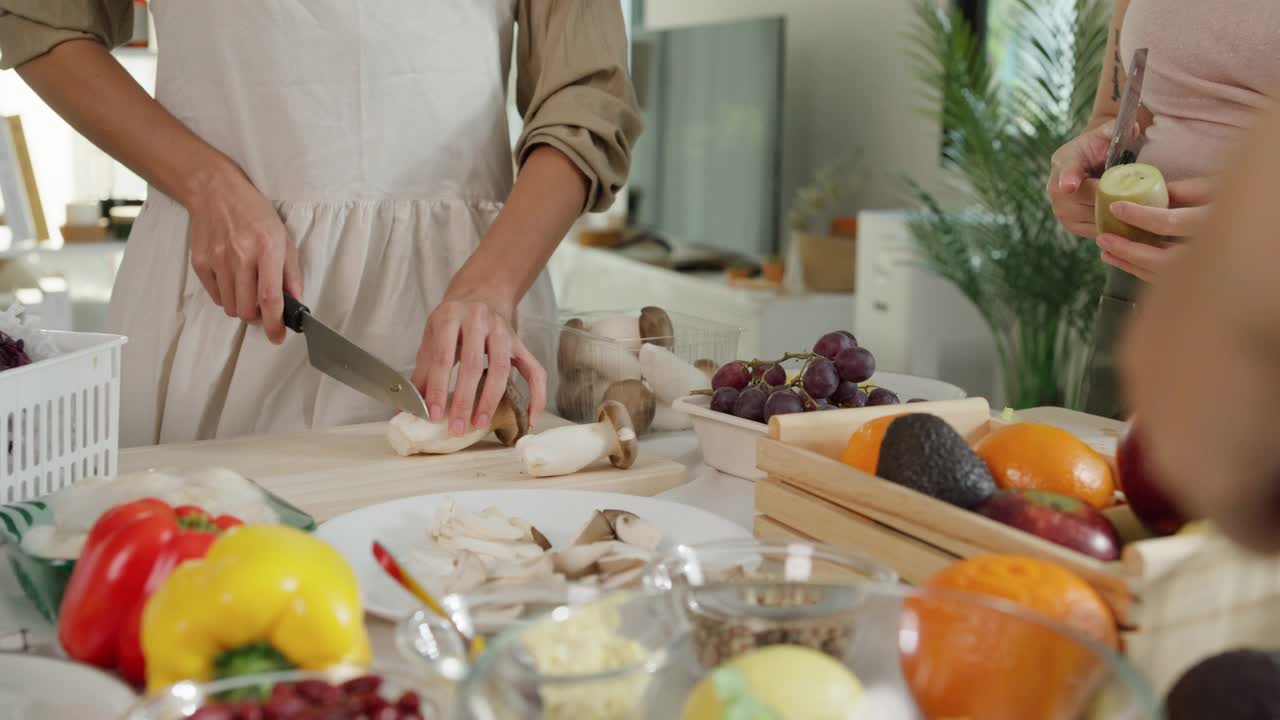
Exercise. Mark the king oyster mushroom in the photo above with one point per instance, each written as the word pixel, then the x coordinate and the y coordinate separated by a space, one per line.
pixel 411 435
pixel 581 392
pixel 580 350
pixel 624 330
pixel 637 398
pixel 670 377
pixel 655 327
pixel 630 529
pixel 566 450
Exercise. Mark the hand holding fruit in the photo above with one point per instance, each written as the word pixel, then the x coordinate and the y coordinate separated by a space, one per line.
pixel 1071 188
pixel 1188 202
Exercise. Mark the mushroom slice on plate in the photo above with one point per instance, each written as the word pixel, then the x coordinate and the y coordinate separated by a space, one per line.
pixel 632 530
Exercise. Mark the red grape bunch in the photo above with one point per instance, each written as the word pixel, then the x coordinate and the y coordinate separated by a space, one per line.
pixel 834 375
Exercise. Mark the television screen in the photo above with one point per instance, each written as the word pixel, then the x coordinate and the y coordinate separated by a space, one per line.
pixel 705 172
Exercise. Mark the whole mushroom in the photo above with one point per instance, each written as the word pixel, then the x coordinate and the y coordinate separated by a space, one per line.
pixel 566 450
pixel 656 327
pixel 580 350
pixel 411 435
pixel 639 400
pixel 581 392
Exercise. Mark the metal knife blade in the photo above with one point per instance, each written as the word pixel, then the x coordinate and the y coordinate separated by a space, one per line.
pixel 1124 145
pixel 346 362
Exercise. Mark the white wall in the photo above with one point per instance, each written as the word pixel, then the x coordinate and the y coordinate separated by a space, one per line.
pixel 849 85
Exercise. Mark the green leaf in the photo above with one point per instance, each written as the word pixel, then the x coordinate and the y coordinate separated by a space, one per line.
pixel 1036 285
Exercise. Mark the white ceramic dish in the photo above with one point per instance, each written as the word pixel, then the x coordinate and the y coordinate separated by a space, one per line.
pixel 558 514
pixel 729 443
pixel 34 686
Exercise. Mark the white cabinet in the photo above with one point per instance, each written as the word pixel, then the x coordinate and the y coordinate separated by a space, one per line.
pixel 588 279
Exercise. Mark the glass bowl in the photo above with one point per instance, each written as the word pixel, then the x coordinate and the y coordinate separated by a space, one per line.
pixel 430 644
pixel 739 595
pixel 915 653
pixel 185 699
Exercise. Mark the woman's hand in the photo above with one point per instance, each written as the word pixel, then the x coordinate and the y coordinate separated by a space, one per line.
pixel 467 327
pixel 1071 188
pixel 242 252
pixel 1188 210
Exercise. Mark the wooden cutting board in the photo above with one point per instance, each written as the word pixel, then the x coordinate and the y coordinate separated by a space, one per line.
pixel 329 472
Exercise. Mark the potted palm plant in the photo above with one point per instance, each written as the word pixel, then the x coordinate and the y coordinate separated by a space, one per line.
pixel 1036 285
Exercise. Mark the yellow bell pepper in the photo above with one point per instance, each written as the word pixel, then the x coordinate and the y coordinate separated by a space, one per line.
pixel 265 597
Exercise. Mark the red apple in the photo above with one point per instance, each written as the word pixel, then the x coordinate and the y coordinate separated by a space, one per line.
pixel 1145 497
pixel 1060 519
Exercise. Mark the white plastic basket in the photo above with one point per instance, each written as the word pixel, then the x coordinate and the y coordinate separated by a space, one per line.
pixel 59 417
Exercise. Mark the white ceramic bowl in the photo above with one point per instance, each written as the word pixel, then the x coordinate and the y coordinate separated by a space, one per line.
pixel 729 443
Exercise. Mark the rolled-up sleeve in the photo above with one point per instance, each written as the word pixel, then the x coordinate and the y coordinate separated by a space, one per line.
pixel 31 28
pixel 573 90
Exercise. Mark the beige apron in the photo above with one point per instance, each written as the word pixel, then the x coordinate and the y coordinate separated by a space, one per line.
pixel 379 131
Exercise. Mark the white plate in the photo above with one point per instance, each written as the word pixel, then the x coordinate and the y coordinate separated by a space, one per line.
pixel 728 442
pixel 558 514
pixel 34 686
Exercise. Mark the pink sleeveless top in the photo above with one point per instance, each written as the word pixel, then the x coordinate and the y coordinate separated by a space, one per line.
pixel 1214 67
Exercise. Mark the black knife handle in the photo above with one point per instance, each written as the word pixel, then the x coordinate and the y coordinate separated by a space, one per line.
pixel 293 312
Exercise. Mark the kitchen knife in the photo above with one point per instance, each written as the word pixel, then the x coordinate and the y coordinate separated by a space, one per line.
pixel 344 361
pixel 1124 144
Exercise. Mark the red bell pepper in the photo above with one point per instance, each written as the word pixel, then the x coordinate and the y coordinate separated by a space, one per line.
pixel 130 550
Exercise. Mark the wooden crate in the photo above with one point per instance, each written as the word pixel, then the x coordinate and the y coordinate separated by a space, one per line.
pixel 1177 598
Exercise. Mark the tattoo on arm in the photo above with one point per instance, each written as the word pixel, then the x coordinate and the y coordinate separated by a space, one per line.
pixel 1115 70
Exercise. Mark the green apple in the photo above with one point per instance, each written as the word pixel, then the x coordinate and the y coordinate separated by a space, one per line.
pixel 1136 183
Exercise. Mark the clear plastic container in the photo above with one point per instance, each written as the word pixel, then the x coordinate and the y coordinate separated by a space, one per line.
pixel 605 355
pixel 915 653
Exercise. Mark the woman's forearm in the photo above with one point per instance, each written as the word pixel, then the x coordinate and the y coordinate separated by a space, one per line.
pixel 1106 103
pixel 87 86
pixel 548 197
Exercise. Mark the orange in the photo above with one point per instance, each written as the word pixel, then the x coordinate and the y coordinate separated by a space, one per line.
pixel 966 660
pixel 1035 456
pixel 863 450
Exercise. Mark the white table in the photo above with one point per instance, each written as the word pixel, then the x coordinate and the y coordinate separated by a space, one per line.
pixel 730 497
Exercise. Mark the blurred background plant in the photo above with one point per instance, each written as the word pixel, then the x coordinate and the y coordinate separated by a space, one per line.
pixel 1036 285
pixel 833 186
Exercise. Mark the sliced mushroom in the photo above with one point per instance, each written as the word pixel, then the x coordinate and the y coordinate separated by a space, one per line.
pixel 624 578
pixel 670 377
pixel 539 568
pixel 580 561
pixel 656 328
pixel 566 450
pixel 468 574
pixel 539 539
pixel 632 530
pixel 411 435
pixel 639 400
pixel 613 564
pixel 491 548
pixel 597 529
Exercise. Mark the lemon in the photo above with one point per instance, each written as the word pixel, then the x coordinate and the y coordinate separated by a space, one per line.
pixel 779 682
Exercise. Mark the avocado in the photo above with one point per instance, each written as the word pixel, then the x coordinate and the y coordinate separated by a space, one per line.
pixel 1237 684
pixel 924 453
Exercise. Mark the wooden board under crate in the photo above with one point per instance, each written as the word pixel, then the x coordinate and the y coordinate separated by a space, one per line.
pixel 1178 598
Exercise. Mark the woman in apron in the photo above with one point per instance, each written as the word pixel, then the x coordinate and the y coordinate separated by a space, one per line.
pixel 1213 68
pixel 355 154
